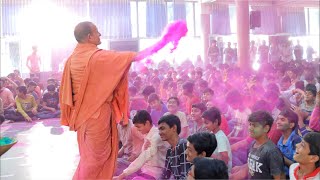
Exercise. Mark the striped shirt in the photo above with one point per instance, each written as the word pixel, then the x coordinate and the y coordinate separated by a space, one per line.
pixel 176 161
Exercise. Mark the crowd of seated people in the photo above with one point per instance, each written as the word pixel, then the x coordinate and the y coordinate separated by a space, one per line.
pixel 191 122
pixel 258 120
pixel 27 99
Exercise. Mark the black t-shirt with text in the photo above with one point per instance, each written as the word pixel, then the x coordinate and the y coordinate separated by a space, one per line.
pixel 265 161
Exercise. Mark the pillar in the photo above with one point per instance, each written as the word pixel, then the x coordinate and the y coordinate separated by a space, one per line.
pixel 242 11
pixel 205 30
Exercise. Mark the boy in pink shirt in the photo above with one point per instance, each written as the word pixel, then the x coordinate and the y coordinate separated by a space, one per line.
pixel 314 122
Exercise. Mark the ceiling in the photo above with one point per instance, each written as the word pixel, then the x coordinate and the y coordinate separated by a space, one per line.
pixel 295 3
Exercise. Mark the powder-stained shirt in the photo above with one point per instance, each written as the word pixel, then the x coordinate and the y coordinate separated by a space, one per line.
pixel 151 160
pixel 265 161
pixel 289 148
pixel 176 161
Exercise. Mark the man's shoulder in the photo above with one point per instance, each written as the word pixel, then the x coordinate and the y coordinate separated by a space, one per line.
pixel 295 138
pixel 221 137
pixel 180 114
pixel 221 134
pixel 270 148
pixel 104 52
pixel 292 170
pixel 182 144
pixel 294 165
pixel 4 89
pixel 154 134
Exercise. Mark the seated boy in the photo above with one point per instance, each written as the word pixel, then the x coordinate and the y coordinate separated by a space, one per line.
pixel 201 144
pixel 196 123
pixel 150 162
pixel 314 122
pixel 157 108
pixel 136 102
pixel 307 156
pixel 191 97
pixel 31 90
pixel 237 114
pixel 207 96
pixel 265 161
pixel 131 140
pixel 176 163
pixel 50 104
pixel 212 120
pixel 287 122
pixel 26 106
pixel 173 106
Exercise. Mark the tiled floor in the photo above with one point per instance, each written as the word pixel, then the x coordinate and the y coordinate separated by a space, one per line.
pixel 45 151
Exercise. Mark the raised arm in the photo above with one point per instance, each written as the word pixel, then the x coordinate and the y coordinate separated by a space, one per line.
pixel 150 50
pixel 11 82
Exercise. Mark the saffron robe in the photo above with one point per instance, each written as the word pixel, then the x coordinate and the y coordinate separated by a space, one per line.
pixel 93 98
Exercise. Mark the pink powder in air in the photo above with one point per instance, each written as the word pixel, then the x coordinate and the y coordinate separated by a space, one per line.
pixel 172 34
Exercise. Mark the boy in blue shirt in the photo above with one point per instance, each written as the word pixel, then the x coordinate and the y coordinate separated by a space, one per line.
pixel 287 122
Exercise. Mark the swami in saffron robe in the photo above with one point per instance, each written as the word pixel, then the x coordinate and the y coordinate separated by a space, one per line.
pixel 93 98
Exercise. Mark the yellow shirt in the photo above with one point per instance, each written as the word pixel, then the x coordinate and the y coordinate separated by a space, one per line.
pixel 26 105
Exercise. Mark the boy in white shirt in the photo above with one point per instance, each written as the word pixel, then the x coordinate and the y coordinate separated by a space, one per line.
pixel 149 163
pixel 131 140
pixel 212 120
pixel 307 156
